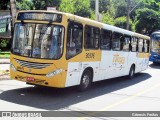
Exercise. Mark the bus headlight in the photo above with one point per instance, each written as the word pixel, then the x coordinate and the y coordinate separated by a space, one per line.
pixel 12 67
pixel 55 72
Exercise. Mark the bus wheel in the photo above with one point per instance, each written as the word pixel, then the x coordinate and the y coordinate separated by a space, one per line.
pixel 131 72
pixel 85 80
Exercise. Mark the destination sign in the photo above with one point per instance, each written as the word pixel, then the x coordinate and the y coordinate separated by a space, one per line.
pixel 40 16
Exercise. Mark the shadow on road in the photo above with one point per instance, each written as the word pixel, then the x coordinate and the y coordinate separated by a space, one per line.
pixel 55 99
pixel 155 66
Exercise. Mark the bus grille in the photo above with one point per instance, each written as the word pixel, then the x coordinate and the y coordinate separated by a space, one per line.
pixel 32 64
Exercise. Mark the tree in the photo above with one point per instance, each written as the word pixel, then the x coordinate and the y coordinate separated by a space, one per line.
pixel 103 5
pixel 77 7
pixel 24 5
pixel 4 4
pixel 120 7
pixel 121 22
pixel 147 20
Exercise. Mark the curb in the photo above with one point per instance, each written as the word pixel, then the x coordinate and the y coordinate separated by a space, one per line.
pixel 5 77
pixel 4 62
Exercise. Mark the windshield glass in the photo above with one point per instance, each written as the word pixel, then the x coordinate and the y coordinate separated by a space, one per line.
pixel 155 42
pixel 38 40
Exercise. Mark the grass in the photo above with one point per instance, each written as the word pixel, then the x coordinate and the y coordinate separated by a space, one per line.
pixel 4 54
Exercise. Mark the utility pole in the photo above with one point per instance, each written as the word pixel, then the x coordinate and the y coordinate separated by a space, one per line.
pixel 97 9
pixel 13 14
pixel 128 13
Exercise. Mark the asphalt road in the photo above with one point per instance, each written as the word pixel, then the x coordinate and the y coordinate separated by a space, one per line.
pixel 142 93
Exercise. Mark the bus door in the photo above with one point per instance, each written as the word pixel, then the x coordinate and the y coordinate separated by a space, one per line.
pixel 106 66
pixel 145 55
pixel 120 46
pixel 140 55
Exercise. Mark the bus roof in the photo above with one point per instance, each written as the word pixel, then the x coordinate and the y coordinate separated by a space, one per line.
pixel 156 32
pixel 96 23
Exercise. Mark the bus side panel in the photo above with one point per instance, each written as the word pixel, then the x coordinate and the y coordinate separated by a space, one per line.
pixel 106 65
pixel 132 59
pixel 113 64
pixel 73 73
pixel 145 61
pixel 76 69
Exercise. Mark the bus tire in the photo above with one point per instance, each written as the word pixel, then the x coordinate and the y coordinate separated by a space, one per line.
pixel 86 80
pixel 131 72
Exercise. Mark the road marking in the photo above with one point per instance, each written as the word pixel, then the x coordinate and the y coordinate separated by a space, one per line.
pixel 124 100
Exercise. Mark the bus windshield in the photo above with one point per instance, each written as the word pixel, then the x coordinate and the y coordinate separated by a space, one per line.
pixel 38 40
pixel 155 42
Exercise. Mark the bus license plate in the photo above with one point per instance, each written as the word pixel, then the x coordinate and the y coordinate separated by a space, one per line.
pixel 30 79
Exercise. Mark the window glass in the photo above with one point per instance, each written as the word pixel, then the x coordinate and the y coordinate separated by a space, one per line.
pixel 74 41
pixel 56 46
pixel 140 45
pixel 116 41
pixel 38 40
pixel 23 38
pixel 134 44
pixel 146 46
pixel 41 41
pixel 106 40
pixel 92 36
pixel 155 38
pixel 126 42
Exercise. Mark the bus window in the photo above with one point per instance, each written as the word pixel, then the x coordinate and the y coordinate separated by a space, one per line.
pixel 134 44
pixel 35 40
pixel 41 41
pixel 146 46
pixel 116 42
pixel 48 44
pixel 140 45
pixel 22 41
pixel 126 42
pixel 74 41
pixel 106 37
pixel 56 46
pixel 92 36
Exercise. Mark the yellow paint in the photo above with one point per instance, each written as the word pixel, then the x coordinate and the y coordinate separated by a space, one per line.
pixel 143 55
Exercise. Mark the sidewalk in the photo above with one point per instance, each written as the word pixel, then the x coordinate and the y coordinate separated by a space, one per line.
pixel 4 69
pixel 4 61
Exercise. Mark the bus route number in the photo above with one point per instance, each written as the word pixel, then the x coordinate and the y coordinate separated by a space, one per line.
pixel 90 55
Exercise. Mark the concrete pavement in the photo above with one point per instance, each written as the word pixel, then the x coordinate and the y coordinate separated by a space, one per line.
pixel 4 61
pixel 4 69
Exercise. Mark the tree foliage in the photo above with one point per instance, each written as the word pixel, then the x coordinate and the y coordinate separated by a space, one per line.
pixel 121 22
pixel 4 4
pixel 77 7
pixel 147 20
pixel 144 14
pixel 24 5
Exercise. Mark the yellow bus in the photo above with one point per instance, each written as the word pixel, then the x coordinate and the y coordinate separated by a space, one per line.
pixel 59 49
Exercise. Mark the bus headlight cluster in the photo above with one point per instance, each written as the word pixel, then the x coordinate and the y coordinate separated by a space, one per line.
pixel 12 67
pixel 55 72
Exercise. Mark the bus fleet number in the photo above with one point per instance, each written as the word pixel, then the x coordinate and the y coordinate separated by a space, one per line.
pixel 89 55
